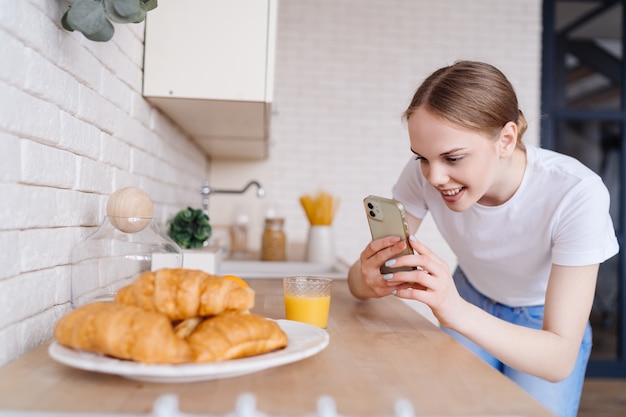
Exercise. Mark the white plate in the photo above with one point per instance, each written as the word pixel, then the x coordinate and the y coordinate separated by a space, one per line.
pixel 304 340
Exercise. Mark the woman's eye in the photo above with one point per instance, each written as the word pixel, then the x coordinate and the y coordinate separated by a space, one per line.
pixel 451 159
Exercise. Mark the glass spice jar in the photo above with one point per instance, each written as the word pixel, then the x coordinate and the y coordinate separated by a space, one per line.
pixel 273 247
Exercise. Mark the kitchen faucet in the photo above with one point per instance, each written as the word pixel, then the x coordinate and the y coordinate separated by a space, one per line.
pixel 206 191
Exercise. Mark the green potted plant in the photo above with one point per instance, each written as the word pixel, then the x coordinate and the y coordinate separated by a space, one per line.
pixel 93 17
pixel 190 228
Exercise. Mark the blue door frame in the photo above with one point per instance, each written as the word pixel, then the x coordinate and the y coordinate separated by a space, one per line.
pixel 553 113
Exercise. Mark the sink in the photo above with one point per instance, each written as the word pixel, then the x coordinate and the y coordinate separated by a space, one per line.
pixel 267 269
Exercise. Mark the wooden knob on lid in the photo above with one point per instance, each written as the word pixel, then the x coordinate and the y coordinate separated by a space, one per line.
pixel 130 209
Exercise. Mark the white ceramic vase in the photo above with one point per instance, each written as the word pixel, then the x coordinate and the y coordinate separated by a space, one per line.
pixel 320 246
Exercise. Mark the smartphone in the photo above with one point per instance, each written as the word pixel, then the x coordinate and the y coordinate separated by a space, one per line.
pixel 387 217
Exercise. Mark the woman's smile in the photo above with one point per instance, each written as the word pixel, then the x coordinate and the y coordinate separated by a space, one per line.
pixel 452 194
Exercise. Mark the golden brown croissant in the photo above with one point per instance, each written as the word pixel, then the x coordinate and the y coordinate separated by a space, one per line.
pixel 185 293
pixel 125 332
pixel 235 335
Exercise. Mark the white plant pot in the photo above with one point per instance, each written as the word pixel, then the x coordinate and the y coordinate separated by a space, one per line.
pixel 207 259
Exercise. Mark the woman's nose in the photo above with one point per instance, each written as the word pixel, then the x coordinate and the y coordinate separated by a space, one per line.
pixel 436 175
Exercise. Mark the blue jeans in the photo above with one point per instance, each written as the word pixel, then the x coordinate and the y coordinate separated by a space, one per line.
pixel 561 398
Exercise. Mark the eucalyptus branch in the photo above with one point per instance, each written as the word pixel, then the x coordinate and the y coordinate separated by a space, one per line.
pixel 93 18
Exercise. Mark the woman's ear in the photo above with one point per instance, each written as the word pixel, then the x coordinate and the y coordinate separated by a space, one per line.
pixel 508 139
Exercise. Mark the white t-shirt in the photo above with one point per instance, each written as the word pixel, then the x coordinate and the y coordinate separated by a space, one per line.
pixel 559 214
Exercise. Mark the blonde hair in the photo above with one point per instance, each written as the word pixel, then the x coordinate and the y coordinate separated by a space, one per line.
pixel 472 95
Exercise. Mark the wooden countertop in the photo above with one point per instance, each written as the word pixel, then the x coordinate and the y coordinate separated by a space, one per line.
pixel 380 351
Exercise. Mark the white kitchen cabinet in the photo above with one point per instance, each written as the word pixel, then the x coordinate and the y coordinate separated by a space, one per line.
pixel 209 65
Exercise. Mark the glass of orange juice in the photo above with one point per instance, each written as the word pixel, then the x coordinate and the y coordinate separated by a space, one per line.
pixel 307 299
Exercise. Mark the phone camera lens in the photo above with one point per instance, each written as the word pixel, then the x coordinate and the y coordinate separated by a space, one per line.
pixel 370 206
pixel 372 213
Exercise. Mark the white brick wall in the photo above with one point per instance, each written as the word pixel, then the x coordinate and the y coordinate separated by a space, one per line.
pixel 73 129
pixel 345 71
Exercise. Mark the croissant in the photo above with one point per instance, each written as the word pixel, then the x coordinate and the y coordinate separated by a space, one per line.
pixel 122 331
pixel 185 293
pixel 235 335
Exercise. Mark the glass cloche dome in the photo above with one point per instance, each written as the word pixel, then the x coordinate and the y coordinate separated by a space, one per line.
pixel 127 243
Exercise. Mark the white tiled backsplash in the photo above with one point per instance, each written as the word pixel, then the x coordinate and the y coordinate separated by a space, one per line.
pixel 74 127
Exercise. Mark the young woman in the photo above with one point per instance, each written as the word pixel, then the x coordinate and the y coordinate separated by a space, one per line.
pixel 528 226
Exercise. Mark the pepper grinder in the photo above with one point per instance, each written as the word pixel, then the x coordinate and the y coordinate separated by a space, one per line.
pixel 127 243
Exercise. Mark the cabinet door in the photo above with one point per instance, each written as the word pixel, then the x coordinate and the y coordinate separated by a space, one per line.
pixel 209 49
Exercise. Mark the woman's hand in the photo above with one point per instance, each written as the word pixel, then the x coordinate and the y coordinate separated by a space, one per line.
pixel 431 283
pixel 365 279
